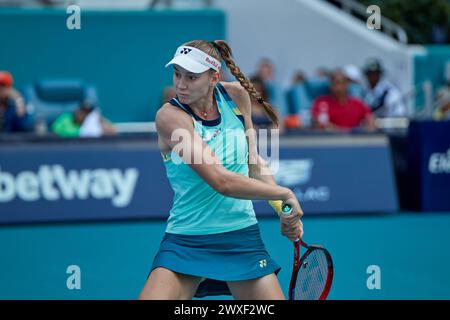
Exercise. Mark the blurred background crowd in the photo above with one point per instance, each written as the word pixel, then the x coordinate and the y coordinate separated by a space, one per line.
pixel 345 97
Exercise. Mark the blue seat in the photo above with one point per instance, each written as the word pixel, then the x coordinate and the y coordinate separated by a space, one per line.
pixel 48 98
pixel 356 90
pixel 298 99
pixel 317 87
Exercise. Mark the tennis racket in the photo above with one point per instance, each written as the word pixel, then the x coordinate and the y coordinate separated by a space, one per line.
pixel 312 274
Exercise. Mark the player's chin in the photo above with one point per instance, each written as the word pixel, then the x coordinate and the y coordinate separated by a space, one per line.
pixel 184 99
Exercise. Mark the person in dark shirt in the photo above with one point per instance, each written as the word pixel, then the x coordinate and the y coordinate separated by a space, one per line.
pixel 13 114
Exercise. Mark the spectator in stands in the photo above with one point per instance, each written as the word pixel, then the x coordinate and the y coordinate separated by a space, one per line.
pixel 384 99
pixel 356 80
pixel 340 111
pixel 259 117
pixel 443 104
pixel 13 114
pixel 299 77
pixel 299 113
pixel 266 71
pixel 322 72
pixel 353 73
pixel 86 121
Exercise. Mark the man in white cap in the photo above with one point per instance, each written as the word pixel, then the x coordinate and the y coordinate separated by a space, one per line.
pixel 383 97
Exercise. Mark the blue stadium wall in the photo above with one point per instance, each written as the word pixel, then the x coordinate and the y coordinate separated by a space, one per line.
pixel 123 53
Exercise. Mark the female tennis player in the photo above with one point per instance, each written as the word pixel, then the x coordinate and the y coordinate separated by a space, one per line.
pixel 212 244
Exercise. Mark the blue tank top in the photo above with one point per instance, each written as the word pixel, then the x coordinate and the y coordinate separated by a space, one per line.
pixel 197 208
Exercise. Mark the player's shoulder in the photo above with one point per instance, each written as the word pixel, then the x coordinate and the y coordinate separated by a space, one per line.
pixel 164 111
pixel 234 89
pixel 239 95
pixel 169 115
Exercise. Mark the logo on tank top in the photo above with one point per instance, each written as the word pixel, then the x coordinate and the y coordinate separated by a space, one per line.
pixel 207 135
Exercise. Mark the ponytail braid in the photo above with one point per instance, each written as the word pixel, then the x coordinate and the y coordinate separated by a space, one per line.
pixel 225 51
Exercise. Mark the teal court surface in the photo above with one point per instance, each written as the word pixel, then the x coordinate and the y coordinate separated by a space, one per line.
pixel 410 249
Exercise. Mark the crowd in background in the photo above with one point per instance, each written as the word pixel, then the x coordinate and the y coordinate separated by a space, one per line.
pixel 16 115
pixel 345 98
pixel 342 100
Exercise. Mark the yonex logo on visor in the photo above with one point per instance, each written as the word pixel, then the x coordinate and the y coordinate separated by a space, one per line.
pixel 185 51
pixel 194 60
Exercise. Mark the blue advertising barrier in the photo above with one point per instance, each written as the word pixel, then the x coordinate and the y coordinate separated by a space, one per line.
pixel 429 165
pixel 96 181
pixel 82 182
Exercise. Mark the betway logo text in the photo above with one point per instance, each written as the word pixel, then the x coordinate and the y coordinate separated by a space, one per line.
pixel 53 182
pixel 439 163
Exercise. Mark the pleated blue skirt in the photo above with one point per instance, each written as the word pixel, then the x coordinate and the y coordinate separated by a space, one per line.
pixel 230 256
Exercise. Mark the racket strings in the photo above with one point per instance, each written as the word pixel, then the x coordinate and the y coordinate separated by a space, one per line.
pixel 312 276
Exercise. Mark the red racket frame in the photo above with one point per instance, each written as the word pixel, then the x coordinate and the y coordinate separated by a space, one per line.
pixel 299 261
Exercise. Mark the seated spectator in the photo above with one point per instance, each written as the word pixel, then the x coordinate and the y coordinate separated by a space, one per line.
pixel 322 72
pixel 356 87
pixel 86 121
pixel 298 103
pixel 299 77
pixel 266 70
pixel 13 114
pixel 442 104
pixel 275 95
pixel 260 118
pixel 384 99
pixel 339 110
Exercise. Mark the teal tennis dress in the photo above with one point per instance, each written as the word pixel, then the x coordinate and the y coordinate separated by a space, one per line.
pixel 209 235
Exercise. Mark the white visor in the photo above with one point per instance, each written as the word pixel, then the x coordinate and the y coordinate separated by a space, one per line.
pixel 194 60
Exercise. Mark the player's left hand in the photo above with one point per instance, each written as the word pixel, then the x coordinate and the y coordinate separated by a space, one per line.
pixel 293 230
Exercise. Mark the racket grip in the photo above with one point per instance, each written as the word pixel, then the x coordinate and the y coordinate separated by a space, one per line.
pixel 286 209
pixel 277 205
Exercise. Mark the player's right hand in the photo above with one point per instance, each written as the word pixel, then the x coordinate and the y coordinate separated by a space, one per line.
pixel 291 200
pixel 292 232
pixel 291 225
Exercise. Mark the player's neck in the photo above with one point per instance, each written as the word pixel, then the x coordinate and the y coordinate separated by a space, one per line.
pixel 205 107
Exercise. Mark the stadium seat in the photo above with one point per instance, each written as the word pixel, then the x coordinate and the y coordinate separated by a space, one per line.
pixel 47 99
pixel 317 87
pixel 356 90
pixel 298 98
pixel 299 103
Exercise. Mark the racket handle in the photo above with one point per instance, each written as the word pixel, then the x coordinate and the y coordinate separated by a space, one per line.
pixel 279 208
pixel 286 209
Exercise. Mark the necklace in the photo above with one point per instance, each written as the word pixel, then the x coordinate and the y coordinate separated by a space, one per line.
pixel 205 113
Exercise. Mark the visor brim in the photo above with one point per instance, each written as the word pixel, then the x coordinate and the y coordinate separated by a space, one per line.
pixel 188 64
